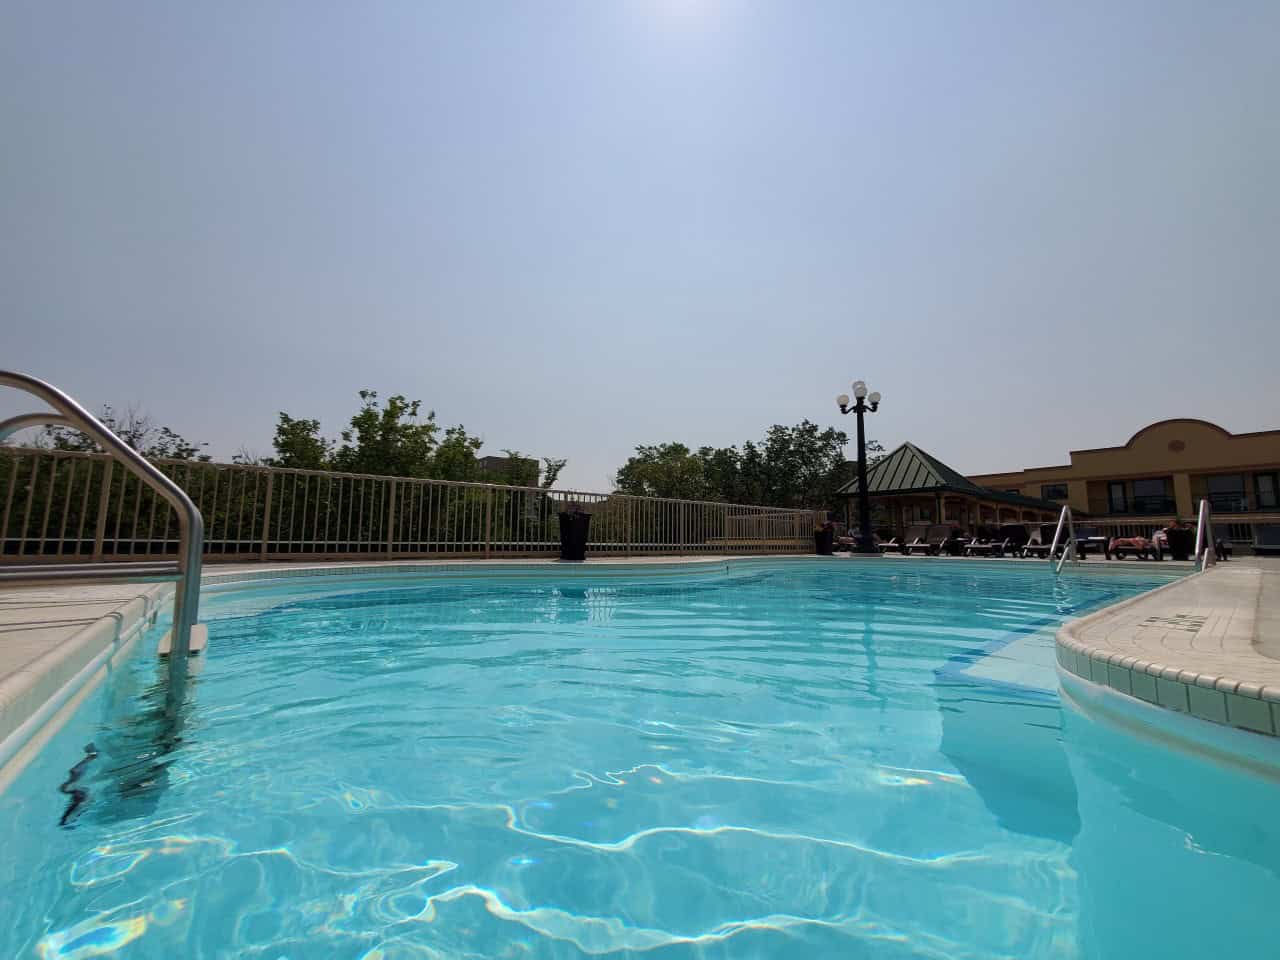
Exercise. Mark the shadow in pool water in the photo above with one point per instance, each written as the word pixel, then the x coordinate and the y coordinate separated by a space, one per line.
pixel 125 770
pixel 985 727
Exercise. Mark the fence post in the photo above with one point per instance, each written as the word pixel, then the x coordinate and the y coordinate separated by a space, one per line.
pixel 104 502
pixel 266 514
pixel 391 520
pixel 488 519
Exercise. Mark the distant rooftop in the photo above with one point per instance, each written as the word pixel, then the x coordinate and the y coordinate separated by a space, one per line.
pixel 908 469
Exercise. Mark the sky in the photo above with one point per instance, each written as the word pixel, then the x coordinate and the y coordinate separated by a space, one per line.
pixel 579 227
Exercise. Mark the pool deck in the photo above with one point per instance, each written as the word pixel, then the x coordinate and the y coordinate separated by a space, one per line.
pixel 1208 645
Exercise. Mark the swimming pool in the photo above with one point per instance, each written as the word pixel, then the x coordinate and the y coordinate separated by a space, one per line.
pixel 790 759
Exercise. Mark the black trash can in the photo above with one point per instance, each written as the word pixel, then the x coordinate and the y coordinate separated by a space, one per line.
pixel 824 539
pixel 575 527
pixel 1182 542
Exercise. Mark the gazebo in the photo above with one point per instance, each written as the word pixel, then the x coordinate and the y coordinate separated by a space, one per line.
pixel 911 486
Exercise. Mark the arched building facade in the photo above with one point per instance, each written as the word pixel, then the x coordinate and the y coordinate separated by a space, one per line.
pixel 1162 473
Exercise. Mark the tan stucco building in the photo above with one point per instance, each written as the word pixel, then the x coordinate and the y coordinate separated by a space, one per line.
pixel 1163 472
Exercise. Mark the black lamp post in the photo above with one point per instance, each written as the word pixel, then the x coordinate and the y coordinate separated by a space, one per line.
pixel 861 405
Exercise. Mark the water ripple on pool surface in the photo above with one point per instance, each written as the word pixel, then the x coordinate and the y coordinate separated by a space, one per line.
pixel 793 765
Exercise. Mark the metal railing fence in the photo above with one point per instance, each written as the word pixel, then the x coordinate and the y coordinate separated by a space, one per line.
pixel 70 506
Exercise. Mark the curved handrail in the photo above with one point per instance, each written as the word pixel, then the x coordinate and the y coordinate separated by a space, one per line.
pixel 67 412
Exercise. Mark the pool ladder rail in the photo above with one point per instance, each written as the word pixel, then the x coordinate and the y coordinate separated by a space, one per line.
pixel 1065 525
pixel 186 637
pixel 1204 555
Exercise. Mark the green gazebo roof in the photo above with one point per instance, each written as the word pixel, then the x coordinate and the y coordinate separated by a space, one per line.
pixel 908 469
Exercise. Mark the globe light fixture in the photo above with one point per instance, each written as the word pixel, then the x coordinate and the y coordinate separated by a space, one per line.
pixel 864 404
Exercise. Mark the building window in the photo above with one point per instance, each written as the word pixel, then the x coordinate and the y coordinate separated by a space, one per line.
pixel 1226 492
pixel 1117 500
pixel 1152 495
pixel 1267 491
pixel 1054 491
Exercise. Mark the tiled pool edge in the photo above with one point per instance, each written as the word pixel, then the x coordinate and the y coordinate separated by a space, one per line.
pixel 1184 732
pixel 37 700
pixel 1179 687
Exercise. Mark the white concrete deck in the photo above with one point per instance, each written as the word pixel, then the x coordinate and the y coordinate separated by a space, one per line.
pixel 1206 645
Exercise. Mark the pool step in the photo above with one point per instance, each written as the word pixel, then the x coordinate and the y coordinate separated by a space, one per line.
pixel 199 640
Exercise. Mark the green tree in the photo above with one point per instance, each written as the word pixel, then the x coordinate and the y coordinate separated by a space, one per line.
pixel 804 465
pixel 551 467
pixel 388 440
pixel 523 471
pixel 722 474
pixel 800 466
pixel 298 444
pixel 139 430
pixel 662 470
pixel 455 457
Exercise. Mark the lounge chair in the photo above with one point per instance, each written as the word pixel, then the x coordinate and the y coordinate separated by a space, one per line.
pixel 1040 542
pixel 1266 538
pixel 983 544
pixel 1009 539
pixel 1091 539
pixel 1014 537
pixel 915 533
pixel 932 541
pixel 1140 547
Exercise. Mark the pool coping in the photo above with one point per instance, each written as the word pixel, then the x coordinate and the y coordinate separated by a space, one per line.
pixel 1189 647
pixel 40 696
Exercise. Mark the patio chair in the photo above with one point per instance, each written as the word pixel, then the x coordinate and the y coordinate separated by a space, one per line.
pixel 1009 539
pixel 932 541
pixel 1040 542
pixel 982 544
pixel 1141 548
pixel 1266 538
pixel 1091 539
pixel 915 534
pixel 1013 537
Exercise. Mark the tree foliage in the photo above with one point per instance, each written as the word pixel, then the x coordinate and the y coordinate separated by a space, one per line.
pixel 522 471
pixel 298 444
pixel 139 430
pixel 392 438
pixel 801 466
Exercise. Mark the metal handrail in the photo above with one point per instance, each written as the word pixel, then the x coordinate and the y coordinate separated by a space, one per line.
pixel 185 573
pixel 1204 536
pixel 1065 520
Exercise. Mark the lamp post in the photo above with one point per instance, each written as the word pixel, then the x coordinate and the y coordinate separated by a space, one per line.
pixel 862 404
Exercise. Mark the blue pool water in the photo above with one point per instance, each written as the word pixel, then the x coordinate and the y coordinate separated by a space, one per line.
pixel 799 760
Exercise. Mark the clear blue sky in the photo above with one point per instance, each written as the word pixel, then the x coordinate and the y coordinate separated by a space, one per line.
pixel 576 227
